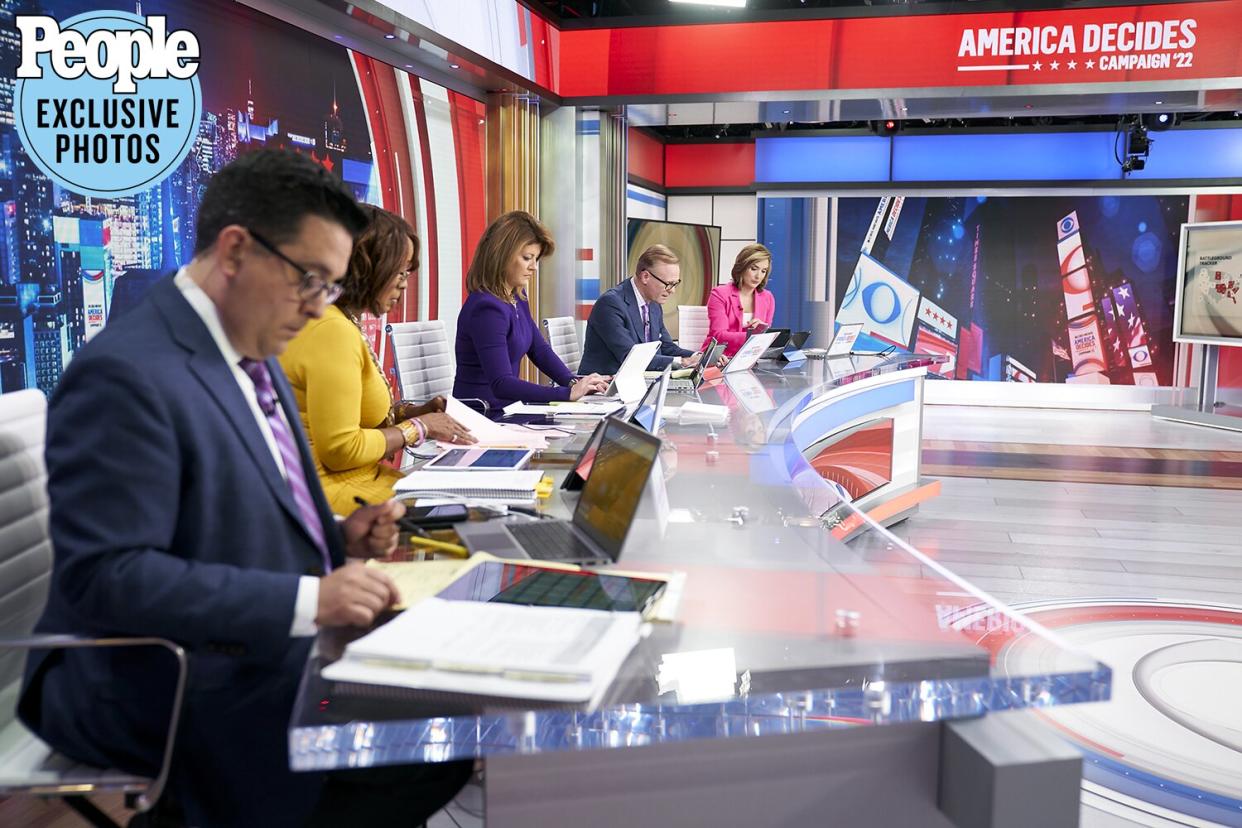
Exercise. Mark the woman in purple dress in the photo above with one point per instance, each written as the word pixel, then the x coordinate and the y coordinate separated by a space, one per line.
pixel 495 329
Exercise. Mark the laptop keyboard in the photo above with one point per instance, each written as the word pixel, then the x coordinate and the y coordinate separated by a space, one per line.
pixel 550 540
pixel 681 386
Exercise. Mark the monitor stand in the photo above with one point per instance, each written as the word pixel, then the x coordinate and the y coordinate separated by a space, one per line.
pixel 1203 414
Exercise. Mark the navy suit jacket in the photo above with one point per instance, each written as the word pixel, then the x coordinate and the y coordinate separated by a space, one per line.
pixel 170 518
pixel 616 325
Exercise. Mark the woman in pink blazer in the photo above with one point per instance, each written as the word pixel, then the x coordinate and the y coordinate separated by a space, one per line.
pixel 736 310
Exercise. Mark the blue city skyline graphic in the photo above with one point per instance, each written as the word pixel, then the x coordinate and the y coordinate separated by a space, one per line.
pixel 68 262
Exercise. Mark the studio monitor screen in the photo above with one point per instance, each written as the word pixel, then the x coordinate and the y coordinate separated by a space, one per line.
pixel 698 248
pixel 1209 272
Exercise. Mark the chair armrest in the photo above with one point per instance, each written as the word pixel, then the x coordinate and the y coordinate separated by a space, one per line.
pixel 148 798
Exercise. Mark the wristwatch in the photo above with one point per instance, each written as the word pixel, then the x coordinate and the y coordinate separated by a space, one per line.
pixel 412 431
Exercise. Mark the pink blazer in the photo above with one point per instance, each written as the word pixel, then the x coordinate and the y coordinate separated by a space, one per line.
pixel 724 315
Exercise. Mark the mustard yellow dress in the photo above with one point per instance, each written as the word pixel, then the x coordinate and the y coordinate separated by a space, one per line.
pixel 343 401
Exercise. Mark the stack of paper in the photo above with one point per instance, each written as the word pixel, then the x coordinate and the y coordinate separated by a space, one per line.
pixel 503 486
pixel 583 408
pixel 549 653
pixel 491 433
pixel 701 413
pixel 680 373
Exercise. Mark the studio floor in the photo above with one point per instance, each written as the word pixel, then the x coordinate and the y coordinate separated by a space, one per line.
pixel 1141 517
pixel 1084 509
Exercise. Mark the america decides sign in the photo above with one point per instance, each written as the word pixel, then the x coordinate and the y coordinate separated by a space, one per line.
pixel 1181 41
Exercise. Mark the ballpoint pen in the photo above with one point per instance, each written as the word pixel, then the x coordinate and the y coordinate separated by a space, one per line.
pixel 454 549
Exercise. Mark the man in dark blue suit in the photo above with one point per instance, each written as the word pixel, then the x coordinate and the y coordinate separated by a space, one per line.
pixel 633 312
pixel 185 505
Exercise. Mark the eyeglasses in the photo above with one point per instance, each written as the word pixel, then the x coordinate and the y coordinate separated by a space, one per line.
pixel 667 285
pixel 311 285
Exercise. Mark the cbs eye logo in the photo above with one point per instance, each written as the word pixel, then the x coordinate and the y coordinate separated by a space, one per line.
pixel 107 103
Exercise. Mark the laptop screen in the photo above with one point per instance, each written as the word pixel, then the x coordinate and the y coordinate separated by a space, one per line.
pixel 647 414
pixel 610 497
pixel 587 458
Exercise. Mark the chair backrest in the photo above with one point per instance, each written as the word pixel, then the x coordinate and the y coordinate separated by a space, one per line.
pixel 25 546
pixel 562 335
pixel 423 358
pixel 691 326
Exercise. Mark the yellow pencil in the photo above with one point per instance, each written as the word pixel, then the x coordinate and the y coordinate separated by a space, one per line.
pixel 440 546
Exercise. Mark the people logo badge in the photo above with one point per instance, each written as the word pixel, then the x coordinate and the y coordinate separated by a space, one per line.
pixel 107 103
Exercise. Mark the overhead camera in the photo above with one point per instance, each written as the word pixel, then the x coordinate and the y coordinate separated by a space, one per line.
pixel 1138 147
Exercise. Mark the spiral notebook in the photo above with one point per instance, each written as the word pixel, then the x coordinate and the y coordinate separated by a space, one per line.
pixel 480 485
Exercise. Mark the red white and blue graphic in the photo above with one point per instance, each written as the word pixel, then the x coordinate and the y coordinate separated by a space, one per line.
pixel 1167 749
pixel 1072 289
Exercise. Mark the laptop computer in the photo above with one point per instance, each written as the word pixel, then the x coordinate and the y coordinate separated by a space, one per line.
pixel 711 355
pixel 628 384
pixel 648 414
pixel 602 519
pixel 750 353
pixel 786 340
pixel 582 466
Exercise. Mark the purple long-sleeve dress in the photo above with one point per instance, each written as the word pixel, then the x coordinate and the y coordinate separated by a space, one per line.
pixel 492 338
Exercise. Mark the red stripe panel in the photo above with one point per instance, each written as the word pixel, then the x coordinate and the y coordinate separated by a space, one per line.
pixel 709 165
pixel 381 99
pixel 431 244
pixel 470 142
pixel 915 51
pixel 645 156
pixel 544 41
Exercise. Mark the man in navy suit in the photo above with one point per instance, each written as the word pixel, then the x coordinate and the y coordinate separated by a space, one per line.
pixel 633 312
pixel 185 505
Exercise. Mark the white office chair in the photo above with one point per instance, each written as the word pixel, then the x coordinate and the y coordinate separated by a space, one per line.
pixel 27 765
pixel 423 358
pixel 562 334
pixel 691 326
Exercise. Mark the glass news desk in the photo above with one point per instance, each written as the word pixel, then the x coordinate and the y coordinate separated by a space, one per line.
pixel 800 613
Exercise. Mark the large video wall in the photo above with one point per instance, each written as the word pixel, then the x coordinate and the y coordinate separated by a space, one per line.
pixel 1076 289
pixel 69 263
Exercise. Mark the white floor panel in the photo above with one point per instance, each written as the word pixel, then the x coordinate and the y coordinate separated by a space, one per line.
pixel 1069 427
pixel 1083 540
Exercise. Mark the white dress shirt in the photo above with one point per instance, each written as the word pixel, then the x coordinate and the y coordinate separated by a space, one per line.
pixel 641 303
pixel 307 603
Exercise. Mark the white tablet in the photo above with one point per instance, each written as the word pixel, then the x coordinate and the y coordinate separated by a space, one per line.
pixel 843 342
pixel 489 459
pixel 749 353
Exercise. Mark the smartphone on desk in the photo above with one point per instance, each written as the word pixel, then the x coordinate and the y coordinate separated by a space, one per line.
pixel 442 516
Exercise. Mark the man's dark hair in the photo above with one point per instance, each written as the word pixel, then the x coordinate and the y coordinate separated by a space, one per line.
pixel 270 192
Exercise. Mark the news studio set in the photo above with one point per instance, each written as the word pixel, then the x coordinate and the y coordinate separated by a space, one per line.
pixel 935 308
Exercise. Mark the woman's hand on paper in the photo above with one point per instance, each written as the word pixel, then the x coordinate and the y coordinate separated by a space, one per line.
pixel 444 429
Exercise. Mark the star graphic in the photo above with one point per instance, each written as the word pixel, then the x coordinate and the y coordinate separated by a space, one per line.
pixel 1054 65
pixel 1073 64
pixel 1090 64
pixel 1037 66
pixel 1124 291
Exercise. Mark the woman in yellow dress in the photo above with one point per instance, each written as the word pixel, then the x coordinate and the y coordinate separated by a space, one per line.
pixel 346 405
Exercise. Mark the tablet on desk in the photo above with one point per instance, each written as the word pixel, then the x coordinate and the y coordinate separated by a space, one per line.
pixel 507 582
pixel 491 459
pixel 844 341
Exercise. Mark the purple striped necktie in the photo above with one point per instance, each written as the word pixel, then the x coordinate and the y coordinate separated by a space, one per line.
pixel 646 322
pixel 295 475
